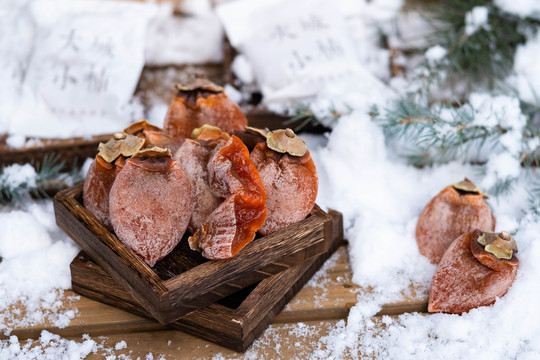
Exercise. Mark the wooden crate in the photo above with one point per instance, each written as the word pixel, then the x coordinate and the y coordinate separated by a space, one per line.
pixel 184 281
pixel 235 321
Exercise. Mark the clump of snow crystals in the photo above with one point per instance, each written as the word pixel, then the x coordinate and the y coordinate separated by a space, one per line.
pixel 34 269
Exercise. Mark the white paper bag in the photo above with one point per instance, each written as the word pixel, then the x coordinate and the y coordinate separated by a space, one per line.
pixel 295 47
pixel 16 41
pixel 87 60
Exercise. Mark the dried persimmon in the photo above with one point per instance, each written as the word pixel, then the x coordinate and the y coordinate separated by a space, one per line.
pixel 198 103
pixel 457 209
pixel 150 204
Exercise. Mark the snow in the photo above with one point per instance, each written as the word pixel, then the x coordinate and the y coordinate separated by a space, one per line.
pixel 522 8
pixel 527 69
pixel 16 175
pixel 29 243
pixel 476 19
pixel 435 54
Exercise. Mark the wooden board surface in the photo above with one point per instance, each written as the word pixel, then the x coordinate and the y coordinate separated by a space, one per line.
pixel 328 296
pixel 235 321
pixel 201 282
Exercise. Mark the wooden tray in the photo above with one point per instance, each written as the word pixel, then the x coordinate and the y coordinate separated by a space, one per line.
pixel 184 281
pixel 72 151
pixel 235 321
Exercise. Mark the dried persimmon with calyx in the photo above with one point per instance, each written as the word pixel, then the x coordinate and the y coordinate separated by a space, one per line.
pixel 469 276
pixel 457 209
pixel 198 103
pixel 153 135
pixel 233 224
pixel 289 176
pixel 103 171
pixel 150 204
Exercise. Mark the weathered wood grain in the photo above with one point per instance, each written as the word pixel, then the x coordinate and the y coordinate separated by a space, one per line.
pixel 235 321
pixel 71 151
pixel 328 296
pixel 168 299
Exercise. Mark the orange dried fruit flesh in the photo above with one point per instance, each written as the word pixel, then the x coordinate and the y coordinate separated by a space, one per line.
pixel 198 103
pixel 233 224
pixel 466 279
pixel 103 171
pixel 457 209
pixel 154 135
pixel 291 183
pixel 150 204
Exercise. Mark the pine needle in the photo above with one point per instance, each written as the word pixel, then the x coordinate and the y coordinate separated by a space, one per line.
pixel 484 58
pixel 50 177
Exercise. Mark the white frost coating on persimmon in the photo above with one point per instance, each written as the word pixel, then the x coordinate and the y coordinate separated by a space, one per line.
pixel 96 188
pixel 223 178
pixel 150 210
pixel 193 158
pixel 290 187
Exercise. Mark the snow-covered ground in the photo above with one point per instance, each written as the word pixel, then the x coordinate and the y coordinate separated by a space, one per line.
pixel 379 194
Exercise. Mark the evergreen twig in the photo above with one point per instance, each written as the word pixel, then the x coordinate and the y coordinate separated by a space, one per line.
pixel 435 138
pixel 484 57
pixel 303 114
pixel 49 178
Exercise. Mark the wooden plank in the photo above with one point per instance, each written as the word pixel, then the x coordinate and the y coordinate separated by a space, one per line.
pixel 169 299
pixel 234 322
pixel 326 297
pixel 71 151
pixel 278 342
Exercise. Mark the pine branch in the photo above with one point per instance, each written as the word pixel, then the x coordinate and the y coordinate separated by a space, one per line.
pixel 534 198
pixel 303 114
pixel 435 138
pixel 44 179
pixel 441 133
pixel 484 57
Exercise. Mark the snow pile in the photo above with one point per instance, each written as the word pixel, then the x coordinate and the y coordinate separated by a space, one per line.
pixel 48 347
pixel 503 162
pixel 527 69
pixel 510 327
pixel 34 269
pixel 476 19
pixel 435 54
pixel 522 8
pixel 16 175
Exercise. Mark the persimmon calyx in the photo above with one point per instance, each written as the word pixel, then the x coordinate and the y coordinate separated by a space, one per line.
pixel 466 186
pixel 286 141
pixel 120 144
pixel 501 245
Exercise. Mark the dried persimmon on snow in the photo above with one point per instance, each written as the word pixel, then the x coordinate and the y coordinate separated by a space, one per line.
pixel 457 209
pixel 150 204
pixel 289 176
pixel 198 103
pixel 233 224
pixel 102 173
pixel 476 269
pixel 154 135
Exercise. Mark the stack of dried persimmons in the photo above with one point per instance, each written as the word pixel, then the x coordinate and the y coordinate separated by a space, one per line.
pixel 475 265
pixel 206 172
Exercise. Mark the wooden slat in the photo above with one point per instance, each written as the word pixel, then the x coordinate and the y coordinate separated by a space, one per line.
pixel 276 343
pixel 328 298
pixel 169 299
pixel 234 322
